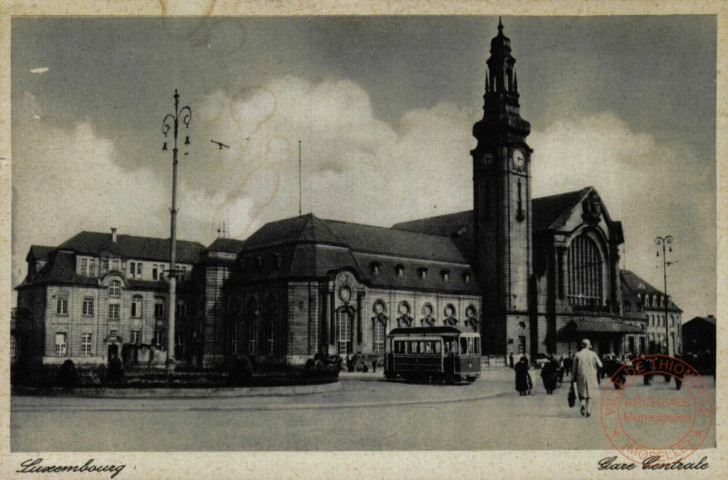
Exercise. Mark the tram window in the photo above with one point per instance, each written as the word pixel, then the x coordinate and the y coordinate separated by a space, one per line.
pixel 463 345
pixel 438 347
pixel 412 347
pixel 477 346
pixel 422 347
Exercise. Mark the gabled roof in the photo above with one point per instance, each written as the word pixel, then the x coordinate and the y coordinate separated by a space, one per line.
pixel 546 211
pixel 128 246
pixel 226 245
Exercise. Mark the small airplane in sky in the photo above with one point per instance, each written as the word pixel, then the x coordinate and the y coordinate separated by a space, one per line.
pixel 219 144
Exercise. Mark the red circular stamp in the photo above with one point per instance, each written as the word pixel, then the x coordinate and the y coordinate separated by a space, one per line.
pixel 657 411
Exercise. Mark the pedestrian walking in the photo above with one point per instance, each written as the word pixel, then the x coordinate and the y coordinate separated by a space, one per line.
pixel 549 374
pixel 586 364
pixel 523 378
pixel 510 359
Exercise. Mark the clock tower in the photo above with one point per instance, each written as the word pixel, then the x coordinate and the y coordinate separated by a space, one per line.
pixel 502 208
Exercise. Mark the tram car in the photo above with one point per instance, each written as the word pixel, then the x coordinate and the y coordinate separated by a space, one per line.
pixel 437 354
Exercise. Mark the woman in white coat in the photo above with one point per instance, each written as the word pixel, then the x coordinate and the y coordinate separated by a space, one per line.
pixel 586 365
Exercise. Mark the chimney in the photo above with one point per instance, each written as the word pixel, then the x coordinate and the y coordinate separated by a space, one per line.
pixel 113 234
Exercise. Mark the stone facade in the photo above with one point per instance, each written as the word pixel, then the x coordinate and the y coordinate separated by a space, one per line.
pixel 532 275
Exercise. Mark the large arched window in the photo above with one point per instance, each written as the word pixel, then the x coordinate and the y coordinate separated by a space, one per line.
pixel 585 272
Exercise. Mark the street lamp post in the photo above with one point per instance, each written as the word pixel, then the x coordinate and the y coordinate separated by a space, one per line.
pixel 666 244
pixel 172 122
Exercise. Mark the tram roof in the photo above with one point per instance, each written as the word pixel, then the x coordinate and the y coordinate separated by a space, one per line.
pixel 440 330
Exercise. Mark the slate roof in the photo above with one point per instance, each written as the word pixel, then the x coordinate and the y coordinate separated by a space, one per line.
pixel 546 211
pixel 226 245
pixel 599 325
pixel 39 252
pixel 129 246
pixel 310 247
pixel 632 284
pixel 709 319
pixel 61 270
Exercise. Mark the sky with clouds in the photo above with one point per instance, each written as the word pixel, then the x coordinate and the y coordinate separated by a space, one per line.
pixel 384 108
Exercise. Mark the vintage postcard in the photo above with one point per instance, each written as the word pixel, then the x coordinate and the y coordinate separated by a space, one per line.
pixel 396 242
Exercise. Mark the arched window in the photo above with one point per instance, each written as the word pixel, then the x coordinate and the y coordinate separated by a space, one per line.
pixel 585 272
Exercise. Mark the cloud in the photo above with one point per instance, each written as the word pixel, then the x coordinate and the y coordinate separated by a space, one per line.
pixel 653 189
pixel 355 167
pixel 39 70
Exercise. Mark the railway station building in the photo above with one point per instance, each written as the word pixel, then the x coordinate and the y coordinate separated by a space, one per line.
pixel 532 275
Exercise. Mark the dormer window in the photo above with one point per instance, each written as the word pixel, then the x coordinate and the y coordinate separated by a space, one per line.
pixel 422 272
pixel 277 260
pixel 399 270
pixel 445 275
pixel 466 277
pixel 375 267
pixel 258 262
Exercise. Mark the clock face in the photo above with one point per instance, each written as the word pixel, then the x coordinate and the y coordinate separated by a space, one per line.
pixel 518 159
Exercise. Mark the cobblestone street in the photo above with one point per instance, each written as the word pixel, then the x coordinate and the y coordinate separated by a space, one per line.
pixel 366 414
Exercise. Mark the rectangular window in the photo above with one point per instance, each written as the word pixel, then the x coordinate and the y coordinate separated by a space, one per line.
pixel 114 311
pixel 158 308
pixel 86 345
pixel 155 272
pixel 181 312
pixel 136 306
pixel 136 337
pixel 91 268
pixel 62 306
pixel 88 306
pixel 13 346
pixel 113 333
pixel 61 344
pixel 132 269
pixel 84 264
pixel 115 264
pixel 139 268
pixel 105 264
pixel 158 337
